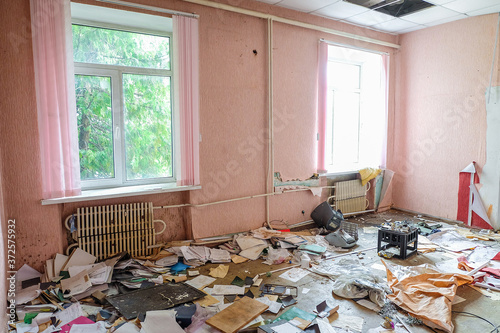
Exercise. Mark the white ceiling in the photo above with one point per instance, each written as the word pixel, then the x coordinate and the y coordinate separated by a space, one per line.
pixel 443 11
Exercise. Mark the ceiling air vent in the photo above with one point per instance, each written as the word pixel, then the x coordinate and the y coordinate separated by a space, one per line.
pixel 396 8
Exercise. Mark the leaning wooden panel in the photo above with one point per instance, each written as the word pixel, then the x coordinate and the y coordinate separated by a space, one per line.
pixel 237 315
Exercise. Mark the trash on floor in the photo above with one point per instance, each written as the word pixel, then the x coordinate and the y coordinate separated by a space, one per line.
pixel 124 294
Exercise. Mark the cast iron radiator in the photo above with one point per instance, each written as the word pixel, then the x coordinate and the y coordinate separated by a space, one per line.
pixel 350 196
pixel 104 231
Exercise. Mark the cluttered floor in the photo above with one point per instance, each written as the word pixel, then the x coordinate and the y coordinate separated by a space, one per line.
pixel 277 281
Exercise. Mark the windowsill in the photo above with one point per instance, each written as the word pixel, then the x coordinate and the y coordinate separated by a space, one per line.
pixel 120 192
pixel 339 173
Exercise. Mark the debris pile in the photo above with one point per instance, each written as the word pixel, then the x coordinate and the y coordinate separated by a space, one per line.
pixel 123 294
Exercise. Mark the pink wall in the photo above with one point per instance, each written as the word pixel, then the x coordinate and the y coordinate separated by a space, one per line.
pixel 233 126
pixel 442 74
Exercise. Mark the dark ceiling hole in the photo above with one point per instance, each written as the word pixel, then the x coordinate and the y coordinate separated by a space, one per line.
pixel 396 8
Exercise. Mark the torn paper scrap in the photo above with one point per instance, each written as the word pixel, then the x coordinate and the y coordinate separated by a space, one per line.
pixel 352 323
pixel 219 271
pixel 223 289
pixel 295 274
pixel 157 321
pixel 200 282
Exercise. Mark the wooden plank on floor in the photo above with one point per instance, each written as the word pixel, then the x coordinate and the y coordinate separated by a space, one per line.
pixel 237 315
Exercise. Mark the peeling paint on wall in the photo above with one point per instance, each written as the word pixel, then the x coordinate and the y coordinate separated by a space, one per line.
pixel 490 177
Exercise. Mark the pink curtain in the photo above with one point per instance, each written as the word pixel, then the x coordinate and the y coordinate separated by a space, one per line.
pixel 55 94
pixel 385 87
pixel 186 57
pixel 322 103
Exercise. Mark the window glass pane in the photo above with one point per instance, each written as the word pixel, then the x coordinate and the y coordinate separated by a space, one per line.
pixel 114 47
pixel 95 126
pixel 342 75
pixel 148 126
pixel 345 127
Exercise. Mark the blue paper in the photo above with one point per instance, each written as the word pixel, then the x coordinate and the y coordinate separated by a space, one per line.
pixel 179 267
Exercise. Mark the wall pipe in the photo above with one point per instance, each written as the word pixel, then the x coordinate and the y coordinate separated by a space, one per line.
pixel 270 167
pixel 150 8
pixel 292 22
pixel 235 199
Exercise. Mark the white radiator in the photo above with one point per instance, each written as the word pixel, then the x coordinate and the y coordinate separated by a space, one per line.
pixel 350 196
pixel 104 231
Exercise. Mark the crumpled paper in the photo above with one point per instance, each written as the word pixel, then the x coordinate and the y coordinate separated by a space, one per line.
pixel 425 292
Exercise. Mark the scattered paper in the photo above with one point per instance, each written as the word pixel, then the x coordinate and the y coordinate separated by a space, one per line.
pixel 98 273
pixel 218 256
pixel 167 261
pixel 452 241
pixel 285 245
pixel 193 273
pixel 238 259
pixel 27 294
pixel 79 258
pixel 248 242
pixel 449 266
pixel 26 272
pixel 295 274
pixel 219 272
pixel 201 281
pixel 128 328
pixel 227 290
pixel 305 290
pixel 25 328
pixel 69 314
pixel 209 300
pixel 78 321
pixel 77 284
pixel 98 327
pixel 300 323
pixel 295 240
pixel 59 261
pixel 49 269
pixel 348 322
pixel 257 282
pixel 253 253
pixel 51 329
pixel 257 320
pixel 324 326
pixel 157 321
pixel 369 305
pixel 286 328
pixel 274 307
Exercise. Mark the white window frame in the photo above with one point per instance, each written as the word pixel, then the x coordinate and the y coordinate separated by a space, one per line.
pixel 116 73
pixel 331 111
pixel 364 99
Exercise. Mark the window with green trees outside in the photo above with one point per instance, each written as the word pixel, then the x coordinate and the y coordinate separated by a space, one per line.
pixel 123 84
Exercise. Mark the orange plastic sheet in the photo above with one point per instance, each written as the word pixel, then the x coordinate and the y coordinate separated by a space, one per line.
pixel 425 292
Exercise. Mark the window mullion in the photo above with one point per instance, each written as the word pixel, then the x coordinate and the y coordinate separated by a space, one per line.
pixel 118 126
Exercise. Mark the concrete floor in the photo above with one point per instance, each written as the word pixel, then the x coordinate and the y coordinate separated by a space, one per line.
pixel 320 286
